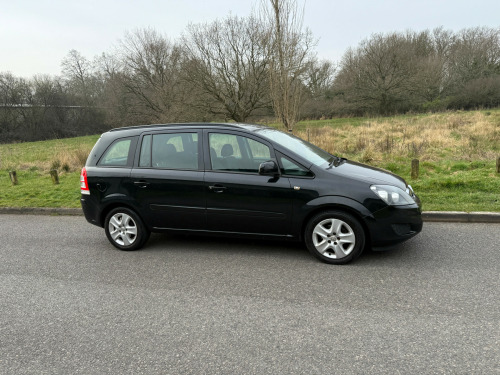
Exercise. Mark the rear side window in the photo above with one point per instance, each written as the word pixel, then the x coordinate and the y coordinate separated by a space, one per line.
pixel 145 158
pixel 117 154
pixel 170 151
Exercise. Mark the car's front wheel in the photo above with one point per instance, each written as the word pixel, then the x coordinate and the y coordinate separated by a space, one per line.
pixel 125 229
pixel 335 237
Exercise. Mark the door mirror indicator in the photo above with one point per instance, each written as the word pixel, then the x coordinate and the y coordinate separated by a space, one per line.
pixel 269 168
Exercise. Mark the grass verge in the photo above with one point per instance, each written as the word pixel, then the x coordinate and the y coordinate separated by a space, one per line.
pixel 36 189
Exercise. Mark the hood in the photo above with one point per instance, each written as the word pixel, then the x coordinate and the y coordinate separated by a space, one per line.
pixel 371 175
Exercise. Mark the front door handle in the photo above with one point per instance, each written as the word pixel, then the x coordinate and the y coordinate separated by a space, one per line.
pixel 217 188
pixel 142 184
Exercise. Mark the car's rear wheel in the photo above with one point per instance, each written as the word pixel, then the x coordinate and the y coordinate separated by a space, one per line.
pixel 335 237
pixel 125 229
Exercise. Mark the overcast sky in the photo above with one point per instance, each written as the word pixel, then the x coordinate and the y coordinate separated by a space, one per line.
pixel 35 35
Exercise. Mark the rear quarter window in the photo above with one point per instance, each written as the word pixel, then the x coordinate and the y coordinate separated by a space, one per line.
pixel 117 154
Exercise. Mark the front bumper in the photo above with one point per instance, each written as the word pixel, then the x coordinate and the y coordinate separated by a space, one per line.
pixel 395 224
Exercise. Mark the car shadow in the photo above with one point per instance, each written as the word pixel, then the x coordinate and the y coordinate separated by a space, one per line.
pixel 224 246
pixel 176 243
pixel 393 253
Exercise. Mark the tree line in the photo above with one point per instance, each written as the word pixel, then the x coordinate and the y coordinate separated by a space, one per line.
pixel 420 71
pixel 262 66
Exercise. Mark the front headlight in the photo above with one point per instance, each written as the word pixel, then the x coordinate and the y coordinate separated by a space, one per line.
pixel 392 195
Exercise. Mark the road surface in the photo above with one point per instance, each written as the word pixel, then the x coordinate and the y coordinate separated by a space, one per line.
pixel 70 303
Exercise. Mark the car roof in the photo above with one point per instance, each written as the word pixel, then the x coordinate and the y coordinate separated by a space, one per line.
pixel 134 130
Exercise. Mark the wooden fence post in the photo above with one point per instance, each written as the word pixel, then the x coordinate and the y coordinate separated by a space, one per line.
pixel 13 177
pixel 54 176
pixel 414 168
pixel 498 164
pixel 308 137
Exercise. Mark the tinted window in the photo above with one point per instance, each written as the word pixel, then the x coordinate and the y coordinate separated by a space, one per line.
pixel 291 168
pixel 145 158
pixel 229 152
pixel 173 151
pixel 305 149
pixel 117 154
pixel 258 150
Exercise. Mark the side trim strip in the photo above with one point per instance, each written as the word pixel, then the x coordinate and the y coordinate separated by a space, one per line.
pixel 225 211
pixel 162 207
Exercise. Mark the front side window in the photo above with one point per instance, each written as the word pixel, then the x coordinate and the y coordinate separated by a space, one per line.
pixel 308 151
pixel 117 154
pixel 229 152
pixel 170 150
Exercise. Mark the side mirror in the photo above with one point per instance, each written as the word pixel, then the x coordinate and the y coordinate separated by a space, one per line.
pixel 269 168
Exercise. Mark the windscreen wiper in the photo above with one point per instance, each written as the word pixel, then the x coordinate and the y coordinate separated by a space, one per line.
pixel 335 161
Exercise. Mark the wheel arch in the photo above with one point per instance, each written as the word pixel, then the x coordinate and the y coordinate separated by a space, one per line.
pixel 112 205
pixel 345 205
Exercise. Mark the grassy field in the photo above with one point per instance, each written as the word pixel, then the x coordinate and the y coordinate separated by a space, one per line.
pixel 457 153
pixel 33 161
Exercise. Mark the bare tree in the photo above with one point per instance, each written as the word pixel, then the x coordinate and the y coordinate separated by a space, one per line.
pixel 229 64
pixel 318 80
pixel 318 77
pixel 474 53
pixel 40 108
pixel 114 99
pixel 152 67
pixel 383 75
pixel 290 46
pixel 81 78
pixel 11 101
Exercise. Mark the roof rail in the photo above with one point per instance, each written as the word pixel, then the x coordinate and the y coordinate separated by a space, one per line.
pixel 175 124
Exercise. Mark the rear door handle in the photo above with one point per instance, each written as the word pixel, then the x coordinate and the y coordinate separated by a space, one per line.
pixel 217 188
pixel 141 183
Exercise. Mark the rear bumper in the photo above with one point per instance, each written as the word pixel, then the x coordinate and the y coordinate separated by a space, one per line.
pixel 90 210
pixel 395 224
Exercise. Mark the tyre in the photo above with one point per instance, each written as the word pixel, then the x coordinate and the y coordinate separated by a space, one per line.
pixel 334 237
pixel 125 230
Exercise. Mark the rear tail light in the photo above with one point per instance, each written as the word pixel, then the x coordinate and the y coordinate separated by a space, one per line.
pixel 84 185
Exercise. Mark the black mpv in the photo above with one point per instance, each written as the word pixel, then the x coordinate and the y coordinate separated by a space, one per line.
pixel 242 180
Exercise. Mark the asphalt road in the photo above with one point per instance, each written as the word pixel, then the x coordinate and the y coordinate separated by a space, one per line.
pixel 70 303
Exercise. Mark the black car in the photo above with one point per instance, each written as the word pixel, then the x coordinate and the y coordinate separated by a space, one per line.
pixel 242 180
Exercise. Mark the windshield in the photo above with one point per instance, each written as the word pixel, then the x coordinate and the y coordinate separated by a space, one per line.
pixel 308 151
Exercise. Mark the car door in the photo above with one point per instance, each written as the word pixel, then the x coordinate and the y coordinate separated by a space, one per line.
pixel 168 181
pixel 239 200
